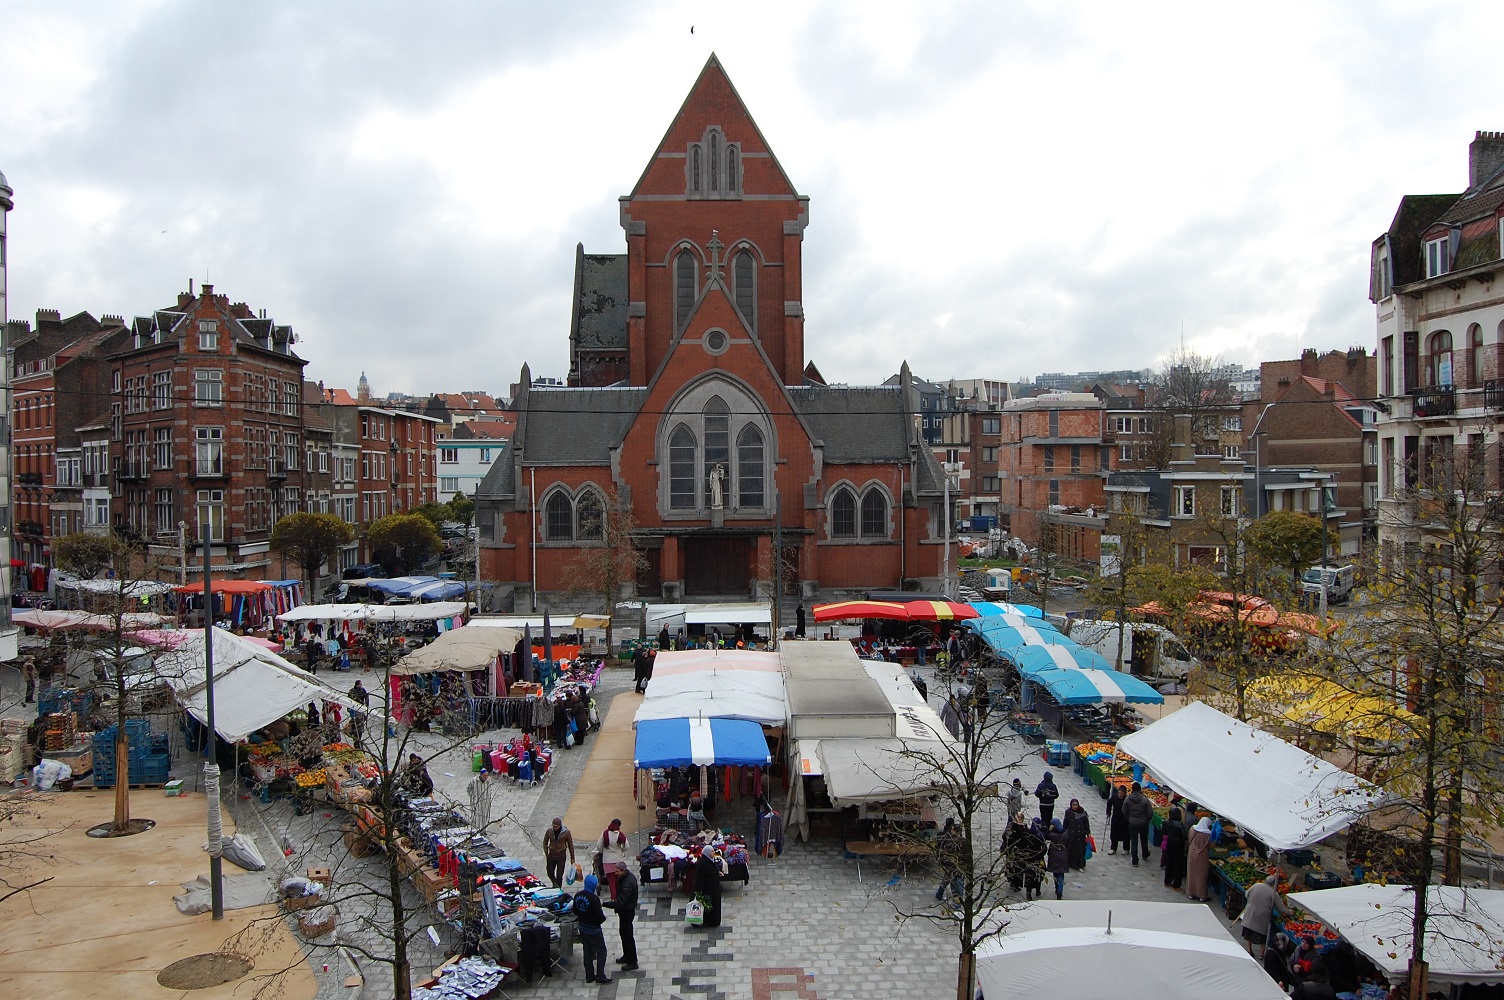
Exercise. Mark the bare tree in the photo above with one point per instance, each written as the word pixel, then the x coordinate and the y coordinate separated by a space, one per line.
pixel 609 559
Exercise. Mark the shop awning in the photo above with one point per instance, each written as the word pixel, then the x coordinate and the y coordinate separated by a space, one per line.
pixel 61 620
pixel 375 612
pixel 464 649
pixel 225 587
pixel 990 608
pixel 871 770
pixel 1090 686
pixel 716 684
pixel 1120 948
pixel 683 742
pixel 1464 928
pixel 1275 790
pixel 728 614
pixel 253 687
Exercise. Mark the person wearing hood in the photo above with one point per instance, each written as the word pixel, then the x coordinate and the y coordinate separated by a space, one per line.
pixel 1077 829
pixel 592 918
pixel 1199 860
pixel 1019 849
pixel 613 850
pixel 708 886
pixel 1277 961
pixel 1140 813
pixel 1058 860
pixel 1015 797
pixel 1047 793
pixel 1174 853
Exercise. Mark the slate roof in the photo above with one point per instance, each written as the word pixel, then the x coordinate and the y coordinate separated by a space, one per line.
pixel 856 424
pixel 1414 216
pixel 600 306
pixel 576 426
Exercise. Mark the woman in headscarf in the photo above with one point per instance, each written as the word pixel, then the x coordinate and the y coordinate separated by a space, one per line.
pixel 1016 849
pixel 1034 860
pixel 1199 860
pixel 1058 862
pixel 1277 961
pixel 708 886
pixel 613 854
pixel 1077 829
pixel 1174 839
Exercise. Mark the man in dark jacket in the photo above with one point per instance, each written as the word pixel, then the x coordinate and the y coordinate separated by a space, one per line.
pixel 1140 813
pixel 625 905
pixel 587 910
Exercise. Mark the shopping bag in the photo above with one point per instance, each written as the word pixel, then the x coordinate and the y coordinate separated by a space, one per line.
pixel 1089 849
pixel 694 913
pixel 569 739
pixel 1091 843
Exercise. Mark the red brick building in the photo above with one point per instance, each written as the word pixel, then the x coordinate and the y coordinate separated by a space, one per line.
pixel 207 429
pixel 687 397
pixel 1053 460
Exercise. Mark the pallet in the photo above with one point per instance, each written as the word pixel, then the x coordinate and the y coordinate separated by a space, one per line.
pixel 133 784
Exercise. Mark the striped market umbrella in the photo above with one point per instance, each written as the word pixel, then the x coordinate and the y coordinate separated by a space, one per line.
pixel 861 609
pixel 940 611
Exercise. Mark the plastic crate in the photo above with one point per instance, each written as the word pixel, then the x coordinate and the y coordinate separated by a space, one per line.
pixel 1323 880
pixel 1300 857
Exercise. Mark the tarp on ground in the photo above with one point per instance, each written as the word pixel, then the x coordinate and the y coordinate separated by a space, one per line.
pixel 683 742
pixel 464 649
pixel 1464 928
pixel 253 687
pixel 374 612
pixel 716 684
pixel 1275 790
pixel 1119 948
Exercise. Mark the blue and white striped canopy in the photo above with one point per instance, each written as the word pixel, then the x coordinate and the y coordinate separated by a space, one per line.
pixel 1034 660
pixel 993 608
pixel 1005 632
pixel 683 742
pixel 1093 687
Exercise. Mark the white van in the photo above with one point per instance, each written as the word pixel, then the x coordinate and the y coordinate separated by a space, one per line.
pixel 1340 581
pixel 1151 652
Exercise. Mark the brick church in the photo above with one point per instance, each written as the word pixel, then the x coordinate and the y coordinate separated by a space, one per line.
pixel 689 400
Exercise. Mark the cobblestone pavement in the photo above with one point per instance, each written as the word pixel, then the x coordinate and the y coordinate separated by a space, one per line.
pixel 804 927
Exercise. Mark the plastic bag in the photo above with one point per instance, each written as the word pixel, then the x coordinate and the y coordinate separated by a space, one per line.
pixel 569 739
pixel 572 875
pixel 694 913
pixel 240 850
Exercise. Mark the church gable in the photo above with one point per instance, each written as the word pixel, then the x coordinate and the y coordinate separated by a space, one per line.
pixel 713 150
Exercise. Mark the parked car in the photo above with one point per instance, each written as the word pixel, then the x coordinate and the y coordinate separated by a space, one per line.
pixel 364 571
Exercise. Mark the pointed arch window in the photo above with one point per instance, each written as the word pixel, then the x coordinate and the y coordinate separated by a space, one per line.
pixel 874 514
pixel 684 287
pixel 715 161
pixel 682 452
pixel 744 280
pixel 717 440
pixel 749 467
pixel 696 169
pixel 733 166
pixel 843 514
pixel 590 517
pixel 558 517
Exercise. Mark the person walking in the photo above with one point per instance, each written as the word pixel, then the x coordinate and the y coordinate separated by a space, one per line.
pixel 588 911
pixel 1015 798
pixel 1117 820
pixel 664 638
pixel 558 843
pixel 1047 793
pixel 950 850
pixel 1140 813
pixel 624 902
pixel 613 849
pixel 640 668
pixel 1057 861
pixel 1259 908
pixel 708 886
pixel 799 620
pixel 1174 840
pixel 29 673
pixel 1199 860
pixel 1077 829
pixel 360 695
pixel 1019 848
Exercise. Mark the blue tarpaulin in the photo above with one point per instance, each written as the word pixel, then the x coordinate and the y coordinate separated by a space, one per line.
pixel 683 742
pixel 419 588
pixel 1070 686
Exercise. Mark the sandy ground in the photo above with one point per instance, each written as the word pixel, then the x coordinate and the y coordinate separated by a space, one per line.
pixel 105 924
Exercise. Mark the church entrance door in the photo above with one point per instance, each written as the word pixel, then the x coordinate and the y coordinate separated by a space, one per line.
pixel 717 566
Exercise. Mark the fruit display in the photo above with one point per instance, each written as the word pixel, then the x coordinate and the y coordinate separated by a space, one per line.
pixel 311 779
pixel 1244 872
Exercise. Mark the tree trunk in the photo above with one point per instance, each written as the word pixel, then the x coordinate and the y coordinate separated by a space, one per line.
pixel 966 976
pixel 122 755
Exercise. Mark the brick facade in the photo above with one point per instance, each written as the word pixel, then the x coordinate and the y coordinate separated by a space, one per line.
pixel 1052 454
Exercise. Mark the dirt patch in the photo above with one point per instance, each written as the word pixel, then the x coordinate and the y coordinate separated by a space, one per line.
pixel 199 972
pixel 132 828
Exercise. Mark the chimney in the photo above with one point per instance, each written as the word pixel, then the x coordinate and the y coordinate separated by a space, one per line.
pixel 48 315
pixel 184 298
pixel 110 319
pixel 208 290
pixel 1484 157
pixel 1308 361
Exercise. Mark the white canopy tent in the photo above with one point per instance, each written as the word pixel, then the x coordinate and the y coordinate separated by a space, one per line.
pixel 129 588
pixel 1464 928
pixel 375 612
pixel 253 686
pixel 716 684
pixel 49 620
pixel 1124 949
pixel 1273 789
pixel 464 649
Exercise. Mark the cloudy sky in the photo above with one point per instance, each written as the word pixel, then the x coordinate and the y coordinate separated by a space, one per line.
pixel 996 189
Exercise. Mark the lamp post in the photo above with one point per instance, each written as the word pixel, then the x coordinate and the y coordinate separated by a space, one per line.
pixel 1326 478
pixel 211 766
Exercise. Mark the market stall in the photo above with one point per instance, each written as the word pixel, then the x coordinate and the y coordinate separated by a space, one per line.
pixel 684 742
pixel 711 683
pixel 1125 949
pixel 253 686
pixel 990 608
pixel 1464 938
pixel 1283 795
pixel 50 621
pixel 414 588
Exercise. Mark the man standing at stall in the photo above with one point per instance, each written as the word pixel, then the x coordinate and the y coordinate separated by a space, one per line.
pixel 1140 813
pixel 557 843
pixel 588 911
pixel 625 905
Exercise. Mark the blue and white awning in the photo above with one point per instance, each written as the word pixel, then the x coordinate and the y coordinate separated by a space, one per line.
pixel 1071 686
pixel 683 742
pixel 992 608
pixel 1007 632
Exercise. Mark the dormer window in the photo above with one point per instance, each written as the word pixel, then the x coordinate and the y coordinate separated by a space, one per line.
pixel 1438 260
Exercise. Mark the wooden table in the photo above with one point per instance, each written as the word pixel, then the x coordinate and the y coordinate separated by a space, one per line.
pixel 883 849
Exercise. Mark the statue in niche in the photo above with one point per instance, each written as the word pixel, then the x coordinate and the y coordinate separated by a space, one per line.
pixel 717 481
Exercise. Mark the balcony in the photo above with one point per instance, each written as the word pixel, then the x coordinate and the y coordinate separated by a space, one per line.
pixel 1493 394
pixel 28 479
pixel 1434 401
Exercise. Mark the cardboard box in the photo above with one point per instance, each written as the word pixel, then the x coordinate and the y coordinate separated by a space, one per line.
pixel 323 876
pixel 295 903
pixel 174 788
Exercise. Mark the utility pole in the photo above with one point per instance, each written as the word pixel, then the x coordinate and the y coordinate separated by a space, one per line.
pixel 1325 479
pixel 945 579
pixel 211 766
